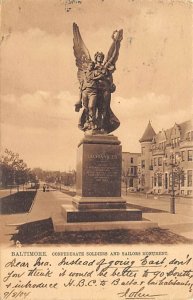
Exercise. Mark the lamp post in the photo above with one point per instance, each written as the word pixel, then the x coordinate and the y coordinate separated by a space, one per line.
pixel 174 163
pixel 60 182
pixel 172 200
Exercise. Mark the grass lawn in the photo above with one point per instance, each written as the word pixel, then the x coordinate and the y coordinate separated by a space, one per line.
pixel 19 202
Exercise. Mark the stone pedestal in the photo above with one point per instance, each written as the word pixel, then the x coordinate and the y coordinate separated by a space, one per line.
pixel 99 167
pixel 98 191
pixel 98 181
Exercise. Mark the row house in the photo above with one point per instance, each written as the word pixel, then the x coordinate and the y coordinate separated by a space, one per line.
pixel 169 151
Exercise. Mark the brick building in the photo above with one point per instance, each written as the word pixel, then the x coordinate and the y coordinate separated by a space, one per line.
pixel 168 150
pixel 130 163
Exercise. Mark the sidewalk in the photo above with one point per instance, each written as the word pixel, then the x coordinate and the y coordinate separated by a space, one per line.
pixel 180 223
pixel 45 204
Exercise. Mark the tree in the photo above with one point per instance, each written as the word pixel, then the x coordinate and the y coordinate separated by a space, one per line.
pixel 179 177
pixel 14 170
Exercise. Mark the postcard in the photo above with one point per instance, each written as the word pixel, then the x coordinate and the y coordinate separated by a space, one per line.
pixel 96 150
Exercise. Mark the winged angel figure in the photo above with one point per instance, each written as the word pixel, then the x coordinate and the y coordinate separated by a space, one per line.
pixel 96 85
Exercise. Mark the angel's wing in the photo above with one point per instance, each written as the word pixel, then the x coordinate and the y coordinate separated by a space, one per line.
pixel 113 53
pixel 80 51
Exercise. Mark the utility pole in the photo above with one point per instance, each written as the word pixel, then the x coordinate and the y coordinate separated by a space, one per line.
pixel 172 200
pixel 175 162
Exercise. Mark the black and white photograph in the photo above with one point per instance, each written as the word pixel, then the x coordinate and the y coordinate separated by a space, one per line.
pixel 96 162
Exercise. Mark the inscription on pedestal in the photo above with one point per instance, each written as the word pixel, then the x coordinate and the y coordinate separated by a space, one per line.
pixel 101 170
pixel 105 170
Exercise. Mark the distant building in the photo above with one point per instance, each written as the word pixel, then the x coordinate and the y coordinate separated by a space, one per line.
pixel 130 163
pixel 158 151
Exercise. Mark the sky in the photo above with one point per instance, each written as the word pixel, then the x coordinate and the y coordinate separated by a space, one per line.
pixel 39 84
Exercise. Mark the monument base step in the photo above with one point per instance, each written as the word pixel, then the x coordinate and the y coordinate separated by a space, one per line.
pixel 100 215
pixel 60 225
pixel 87 203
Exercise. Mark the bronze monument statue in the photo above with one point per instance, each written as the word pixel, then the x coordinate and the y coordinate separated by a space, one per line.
pixel 98 204
pixel 96 85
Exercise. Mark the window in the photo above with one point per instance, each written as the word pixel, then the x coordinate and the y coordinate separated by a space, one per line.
pixel 159 179
pixel 131 160
pixel 155 162
pixel 188 136
pixel 166 181
pixel 135 170
pixel 189 177
pixel 143 163
pixel 159 161
pixel 151 165
pixel 183 155
pixel 132 170
pixel 189 193
pixel 182 179
pixel 131 182
pixel 155 180
pixel 190 152
pixel 142 150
